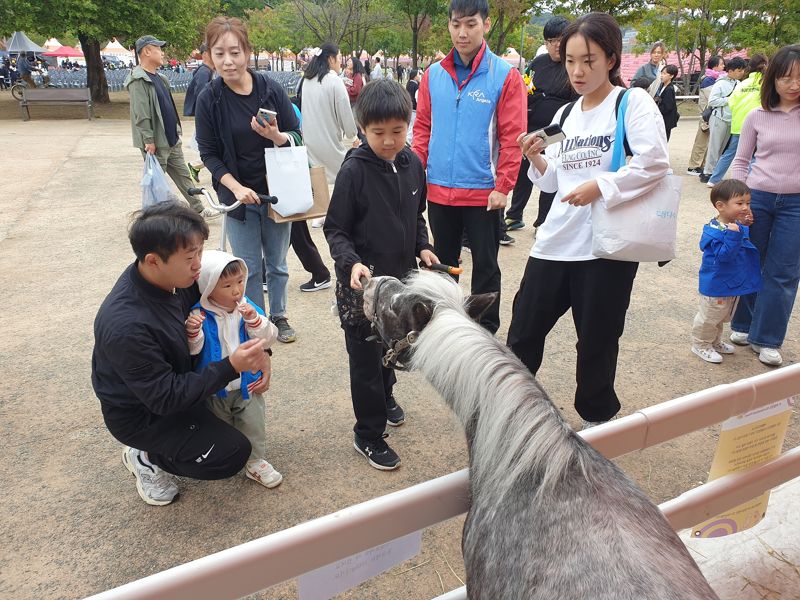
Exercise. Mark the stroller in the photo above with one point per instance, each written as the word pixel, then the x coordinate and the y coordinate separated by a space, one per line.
pixel 224 209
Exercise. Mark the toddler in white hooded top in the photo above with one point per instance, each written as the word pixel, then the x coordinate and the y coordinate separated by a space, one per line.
pixel 234 318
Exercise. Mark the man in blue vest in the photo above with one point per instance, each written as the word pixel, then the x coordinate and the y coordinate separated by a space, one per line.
pixel 471 107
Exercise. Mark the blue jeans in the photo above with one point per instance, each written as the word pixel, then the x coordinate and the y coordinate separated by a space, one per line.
pixel 259 235
pixel 764 316
pixel 724 162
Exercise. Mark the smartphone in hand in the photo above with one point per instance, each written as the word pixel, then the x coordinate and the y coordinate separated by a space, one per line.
pixel 550 134
pixel 265 116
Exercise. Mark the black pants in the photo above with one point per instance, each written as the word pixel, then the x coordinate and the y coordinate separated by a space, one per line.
pixel 522 193
pixel 370 382
pixel 193 444
pixel 482 228
pixel 307 252
pixel 599 292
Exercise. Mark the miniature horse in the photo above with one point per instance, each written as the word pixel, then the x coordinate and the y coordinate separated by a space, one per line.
pixel 550 518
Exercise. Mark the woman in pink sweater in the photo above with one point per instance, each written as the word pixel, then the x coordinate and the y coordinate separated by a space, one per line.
pixel 770 138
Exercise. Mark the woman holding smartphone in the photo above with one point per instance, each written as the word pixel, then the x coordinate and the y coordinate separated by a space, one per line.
pixel 232 133
pixel 561 272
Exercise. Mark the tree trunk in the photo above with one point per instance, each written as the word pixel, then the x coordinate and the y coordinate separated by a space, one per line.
pixel 414 43
pixel 95 74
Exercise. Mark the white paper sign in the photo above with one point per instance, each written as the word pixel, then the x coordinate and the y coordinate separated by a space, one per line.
pixel 332 579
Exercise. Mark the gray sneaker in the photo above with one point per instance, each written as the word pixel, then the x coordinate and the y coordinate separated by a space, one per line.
pixel 155 486
pixel 285 332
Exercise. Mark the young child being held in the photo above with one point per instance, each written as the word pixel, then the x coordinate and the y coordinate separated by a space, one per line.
pixel 222 319
pixel 375 226
pixel 730 268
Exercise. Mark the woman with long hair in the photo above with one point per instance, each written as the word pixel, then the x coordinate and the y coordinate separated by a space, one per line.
pixel 561 272
pixel 232 140
pixel 355 78
pixel 771 135
pixel 327 116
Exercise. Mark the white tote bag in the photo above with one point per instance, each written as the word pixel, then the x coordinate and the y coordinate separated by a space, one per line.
pixel 288 179
pixel 640 230
pixel 643 229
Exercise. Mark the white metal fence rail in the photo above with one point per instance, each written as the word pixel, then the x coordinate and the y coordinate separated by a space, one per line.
pixel 284 555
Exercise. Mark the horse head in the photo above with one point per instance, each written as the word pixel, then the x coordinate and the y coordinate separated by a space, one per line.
pixel 400 311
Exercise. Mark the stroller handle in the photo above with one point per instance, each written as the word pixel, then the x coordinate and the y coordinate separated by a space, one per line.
pixel 199 191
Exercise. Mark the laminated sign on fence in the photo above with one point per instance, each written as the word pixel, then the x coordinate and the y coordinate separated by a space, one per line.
pixel 746 441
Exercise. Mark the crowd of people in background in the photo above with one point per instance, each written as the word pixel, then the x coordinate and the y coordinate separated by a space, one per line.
pixel 399 160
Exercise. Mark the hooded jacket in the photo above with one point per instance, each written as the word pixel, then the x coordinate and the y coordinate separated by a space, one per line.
pixel 376 214
pixel 224 331
pixel 147 123
pixel 730 264
pixel 141 367
pixel 214 137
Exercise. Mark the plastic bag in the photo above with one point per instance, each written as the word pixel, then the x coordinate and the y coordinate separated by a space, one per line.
pixel 155 187
pixel 289 179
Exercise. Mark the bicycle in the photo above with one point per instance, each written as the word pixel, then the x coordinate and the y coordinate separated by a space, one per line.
pixel 17 90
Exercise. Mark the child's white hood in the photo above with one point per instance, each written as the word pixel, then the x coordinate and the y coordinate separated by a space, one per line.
pixel 212 265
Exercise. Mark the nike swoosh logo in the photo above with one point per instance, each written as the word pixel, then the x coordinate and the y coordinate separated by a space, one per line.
pixel 204 456
pixel 414 193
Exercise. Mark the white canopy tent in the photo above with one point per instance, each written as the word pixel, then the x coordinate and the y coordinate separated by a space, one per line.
pixel 52 44
pixel 21 43
pixel 117 49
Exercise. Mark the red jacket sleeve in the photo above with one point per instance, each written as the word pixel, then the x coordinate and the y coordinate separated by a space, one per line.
pixel 512 120
pixel 422 123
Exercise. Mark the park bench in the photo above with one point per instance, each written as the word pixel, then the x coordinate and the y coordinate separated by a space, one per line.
pixel 55 96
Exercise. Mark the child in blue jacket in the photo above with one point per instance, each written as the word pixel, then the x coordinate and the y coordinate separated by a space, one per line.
pixel 730 268
pixel 223 319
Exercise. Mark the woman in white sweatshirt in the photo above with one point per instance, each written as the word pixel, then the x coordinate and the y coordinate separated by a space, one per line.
pixel 327 117
pixel 561 272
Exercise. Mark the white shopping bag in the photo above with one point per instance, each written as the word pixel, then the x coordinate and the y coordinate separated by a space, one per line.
pixel 640 230
pixel 288 179
pixel 154 184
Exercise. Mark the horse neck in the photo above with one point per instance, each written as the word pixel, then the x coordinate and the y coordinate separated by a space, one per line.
pixel 511 424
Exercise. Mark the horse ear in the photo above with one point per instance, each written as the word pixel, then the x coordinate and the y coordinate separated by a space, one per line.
pixel 477 304
pixel 420 314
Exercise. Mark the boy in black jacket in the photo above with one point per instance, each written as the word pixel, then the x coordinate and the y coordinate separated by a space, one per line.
pixel 375 226
pixel 151 399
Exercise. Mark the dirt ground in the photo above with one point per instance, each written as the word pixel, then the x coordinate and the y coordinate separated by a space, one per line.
pixel 73 524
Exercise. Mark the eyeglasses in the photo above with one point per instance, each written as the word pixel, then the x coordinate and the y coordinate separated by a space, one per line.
pixel 553 41
pixel 787 81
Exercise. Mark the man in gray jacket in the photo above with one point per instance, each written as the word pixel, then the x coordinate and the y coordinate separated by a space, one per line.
pixel 154 118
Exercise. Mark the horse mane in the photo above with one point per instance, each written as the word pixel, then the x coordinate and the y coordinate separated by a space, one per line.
pixel 512 427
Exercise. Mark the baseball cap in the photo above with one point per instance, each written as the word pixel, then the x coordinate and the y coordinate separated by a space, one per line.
pixel 148 40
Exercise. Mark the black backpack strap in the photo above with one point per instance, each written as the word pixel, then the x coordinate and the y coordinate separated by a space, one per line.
pixel 565 114
pixel 628 151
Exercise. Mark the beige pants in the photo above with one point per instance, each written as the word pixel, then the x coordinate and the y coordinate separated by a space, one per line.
pixel 248 416
pixel 708 322
pixel 700 146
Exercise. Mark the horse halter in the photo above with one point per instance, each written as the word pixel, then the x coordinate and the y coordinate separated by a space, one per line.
pixel 393 347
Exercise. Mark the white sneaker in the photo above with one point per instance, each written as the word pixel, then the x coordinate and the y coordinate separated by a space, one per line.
pixel 708 354
pixel 739 338
pixel 723 348
pixel 768 356
pixel 155 486
pixel 317 223
pixel 264 473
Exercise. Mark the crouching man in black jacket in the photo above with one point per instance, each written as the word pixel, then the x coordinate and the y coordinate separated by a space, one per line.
pixel 141 367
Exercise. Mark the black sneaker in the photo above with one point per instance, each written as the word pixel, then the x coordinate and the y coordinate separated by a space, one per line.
pixel 704 178
pixel 377 452
pixel 506 240
pixel 695 171
pixel 395 416
pixel 285 332
pixel 313 286
pixel 513 224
